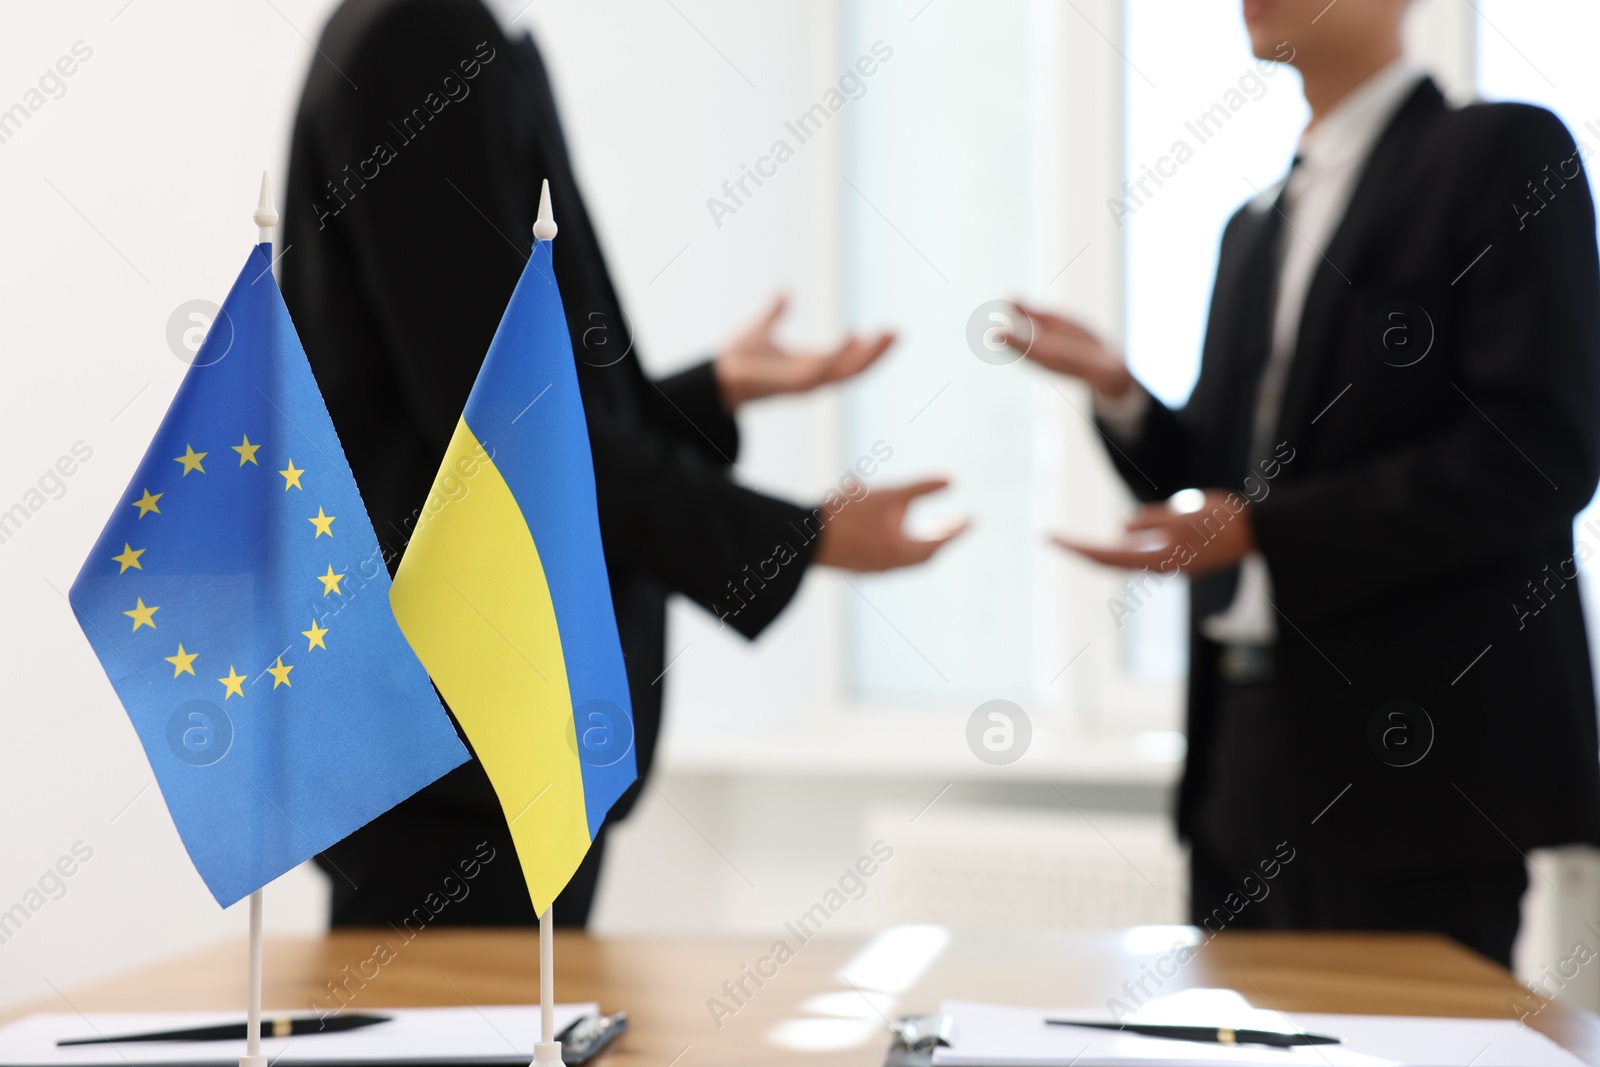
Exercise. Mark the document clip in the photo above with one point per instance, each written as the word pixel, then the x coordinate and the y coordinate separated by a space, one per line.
pixel 588 1035
pixel 915 1037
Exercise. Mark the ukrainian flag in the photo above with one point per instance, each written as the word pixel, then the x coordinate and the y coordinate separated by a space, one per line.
pixel 504 597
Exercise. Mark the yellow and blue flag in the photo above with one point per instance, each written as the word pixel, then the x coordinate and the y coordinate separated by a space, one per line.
pixel 236 600
pixel 504 596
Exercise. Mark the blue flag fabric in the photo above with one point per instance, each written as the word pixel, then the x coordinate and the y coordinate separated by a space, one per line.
pixel 238 601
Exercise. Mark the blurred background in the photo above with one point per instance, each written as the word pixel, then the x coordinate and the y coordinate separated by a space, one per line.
pixel 977 163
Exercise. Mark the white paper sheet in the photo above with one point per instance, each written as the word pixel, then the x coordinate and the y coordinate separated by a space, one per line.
pixel 492 1034
pixel 988 1035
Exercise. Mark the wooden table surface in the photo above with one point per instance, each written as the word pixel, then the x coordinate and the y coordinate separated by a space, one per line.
pixel 665 984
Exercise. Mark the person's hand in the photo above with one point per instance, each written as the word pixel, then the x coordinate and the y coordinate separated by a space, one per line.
pixel 754 365
pixel 869 534
pixel 1208 531
pixel 1067 347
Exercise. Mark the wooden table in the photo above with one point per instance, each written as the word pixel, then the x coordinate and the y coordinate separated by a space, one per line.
pixel 665 984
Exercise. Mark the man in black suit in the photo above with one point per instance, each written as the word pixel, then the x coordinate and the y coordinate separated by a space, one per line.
pixel 410 208
pixel 1396 420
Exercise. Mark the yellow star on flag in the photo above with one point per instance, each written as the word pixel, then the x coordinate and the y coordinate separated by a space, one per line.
pixel 235 683
pixel 280 674
pixel 143 616
pixel 330 581
pixel 323 523
pixel 183 662
pixel 247 451
pixel 291 477
pixel 129 558
pixel 191 460
pixel 315 635
pixel 147 504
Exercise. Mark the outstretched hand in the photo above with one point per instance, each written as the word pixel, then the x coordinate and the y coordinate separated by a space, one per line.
pixel 1209 532
pixel 753 364
pixel 869 534
pixel 1068 347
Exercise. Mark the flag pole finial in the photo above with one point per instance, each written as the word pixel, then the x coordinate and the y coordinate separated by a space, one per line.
pixel 266 214
pixel 545 228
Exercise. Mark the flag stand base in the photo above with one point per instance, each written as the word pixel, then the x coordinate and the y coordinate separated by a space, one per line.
pixel 547 1052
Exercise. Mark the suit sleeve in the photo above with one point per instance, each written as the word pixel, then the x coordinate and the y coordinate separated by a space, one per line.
pixel 1161 459
pixel 668 512
pixel 1520 454
pixel 688 405
pixel 441 236
pixel 1157 461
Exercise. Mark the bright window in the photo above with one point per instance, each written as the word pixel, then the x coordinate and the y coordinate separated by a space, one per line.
pixel 949 190
pixel 1221 125
pixel 1207 126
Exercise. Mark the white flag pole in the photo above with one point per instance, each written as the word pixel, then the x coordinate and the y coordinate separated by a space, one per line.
pixel 252 1048
pixel 266 218
pixel 548 1050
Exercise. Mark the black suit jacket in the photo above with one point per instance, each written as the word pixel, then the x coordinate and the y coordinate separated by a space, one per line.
pixel 1424 504
pixel 419 148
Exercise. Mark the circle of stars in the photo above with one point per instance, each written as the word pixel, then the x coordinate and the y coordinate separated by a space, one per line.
pixel 143 615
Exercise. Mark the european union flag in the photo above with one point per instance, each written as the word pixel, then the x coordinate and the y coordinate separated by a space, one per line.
pixel 238 601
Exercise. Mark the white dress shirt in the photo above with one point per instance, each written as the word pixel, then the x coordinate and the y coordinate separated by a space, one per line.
pixel 1332 154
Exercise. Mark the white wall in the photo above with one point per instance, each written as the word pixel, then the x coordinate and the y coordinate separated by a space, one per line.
pixel 124 198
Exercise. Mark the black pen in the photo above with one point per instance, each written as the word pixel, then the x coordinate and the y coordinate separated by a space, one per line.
pixel 280 1027
pixel 1216 1035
